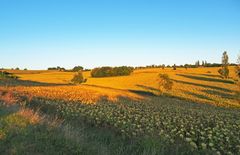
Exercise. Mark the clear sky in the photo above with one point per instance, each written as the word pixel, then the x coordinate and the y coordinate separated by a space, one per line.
pixel 38 34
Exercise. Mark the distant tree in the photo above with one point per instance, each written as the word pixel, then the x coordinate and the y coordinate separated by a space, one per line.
pixel 165 83
pixel 17 68
pixel 25 69
pixel 57 68
pixel 52 68
pixel 205 64
pixel 111 71
pixel 174 67
pixel 224 71
pixel 163 66
pixel 5 74
pixel 78 78
pixel 62 69
pixel 77 68
pixel 238 78
pixel 238 68
pixel 197 63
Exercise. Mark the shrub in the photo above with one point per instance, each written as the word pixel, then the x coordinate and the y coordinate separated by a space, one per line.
pixel 111 71
pixel 165 83
pixel 174 67
pixel 78 78
pixel 224 72
pixel 4 74
pixel 77 68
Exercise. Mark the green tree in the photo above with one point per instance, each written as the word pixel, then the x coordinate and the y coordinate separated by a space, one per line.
pixel 165 83
pixel 224 71
pixel 78 78
pixel 77 68
pixel 238 68
pixel 197 63
pixel 174 67
pixel 111 71
pixel 163 66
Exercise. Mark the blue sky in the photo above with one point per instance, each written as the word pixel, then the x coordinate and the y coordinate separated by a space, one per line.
pixel 38 34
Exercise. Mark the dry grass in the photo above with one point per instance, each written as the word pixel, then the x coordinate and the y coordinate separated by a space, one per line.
pixel 83 93
pixel 33 117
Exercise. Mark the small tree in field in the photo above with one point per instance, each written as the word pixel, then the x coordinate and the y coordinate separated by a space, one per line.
pixel 78 78
pixel 165 83
pixel 163 66
pixel 174 67
pixel 238 68
pixel 224 71
pixel 238 78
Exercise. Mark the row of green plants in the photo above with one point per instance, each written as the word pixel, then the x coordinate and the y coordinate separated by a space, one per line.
pixel 203 127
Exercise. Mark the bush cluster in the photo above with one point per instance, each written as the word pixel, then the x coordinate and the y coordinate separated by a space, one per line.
pixel 111 71
pixel 165 83
pixel 4 74
pixel 224 72
pixel 78 78
pixel 77 68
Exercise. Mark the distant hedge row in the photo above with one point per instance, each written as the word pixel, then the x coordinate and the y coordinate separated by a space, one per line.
pixel 4 74
pixel 111 71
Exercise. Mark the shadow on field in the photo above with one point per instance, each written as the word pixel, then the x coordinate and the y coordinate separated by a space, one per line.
pixel 211 75
pixel 149 91
pixel 202 85
pixel 218 93
pixel 198 96
pixel 142 92
pixel 206 78
pixel 16 82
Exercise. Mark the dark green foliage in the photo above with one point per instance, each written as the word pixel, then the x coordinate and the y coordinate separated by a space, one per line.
pixel 237 68
pixel 174 67
pixel 57 68
pixel 77 68
pixel 4 74
pixel 238 71
pixel 165 83
pixel 111 71
pixel 197 64
pixel 78 78
pixel 163 66
pixel 224 71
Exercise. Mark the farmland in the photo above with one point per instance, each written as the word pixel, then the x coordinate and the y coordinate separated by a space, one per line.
pixel 199 115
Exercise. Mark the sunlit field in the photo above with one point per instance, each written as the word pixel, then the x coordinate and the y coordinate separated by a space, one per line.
pixel 203 85
pixel 199 115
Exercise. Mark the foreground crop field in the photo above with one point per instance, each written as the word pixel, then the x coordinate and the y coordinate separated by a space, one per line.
pixel 200 115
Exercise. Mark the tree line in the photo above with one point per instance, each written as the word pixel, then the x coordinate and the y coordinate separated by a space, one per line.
pixel 111 71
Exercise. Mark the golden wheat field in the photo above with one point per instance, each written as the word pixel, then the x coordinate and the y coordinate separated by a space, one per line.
pixel 203 85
